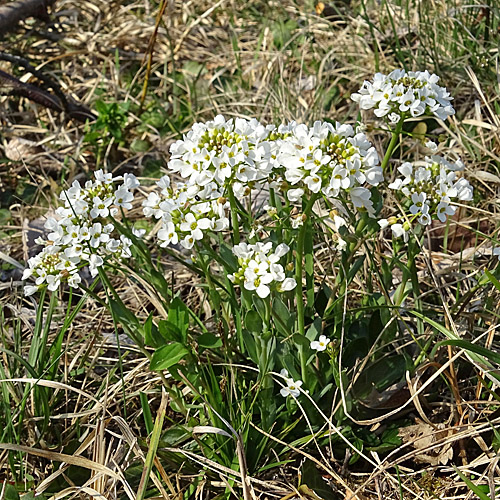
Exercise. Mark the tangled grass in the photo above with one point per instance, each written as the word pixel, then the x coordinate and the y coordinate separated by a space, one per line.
pixel 94 425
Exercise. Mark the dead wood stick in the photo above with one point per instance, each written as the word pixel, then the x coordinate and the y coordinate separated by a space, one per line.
pixel 13 12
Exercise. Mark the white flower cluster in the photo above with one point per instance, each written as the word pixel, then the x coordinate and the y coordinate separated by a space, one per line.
pixel 401 94
pixel 292 386
pixel 259 268
pixel 332 160
pixel 79 235
pixel 186 212
pixel 244 155
pixel 429 188
pixel 225 153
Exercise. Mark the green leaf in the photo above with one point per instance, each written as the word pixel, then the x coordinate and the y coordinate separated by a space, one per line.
pixel 253 322
pixel 314 331
pixel 476 489
pixel 250 346
pixel 283 318
pixel 301 340
pixel 260 306
pixel 178 314
pixel 5 216
pixel 469 346
pixel 167 356
pixel 355 268
pixel 129 322
pixel 313 480
pixel 169 331
pixel 101 107
pixel 10 492
pixel 152 336
pixel 209 341
pixel 140 146
pixel 492 279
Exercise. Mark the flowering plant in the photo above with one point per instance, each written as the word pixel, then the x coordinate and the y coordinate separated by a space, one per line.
pixel 247 202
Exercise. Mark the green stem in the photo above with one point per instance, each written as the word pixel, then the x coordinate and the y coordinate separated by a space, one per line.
pixel 298 289
pixel 234 216
pixel 275 203
pixel 392 144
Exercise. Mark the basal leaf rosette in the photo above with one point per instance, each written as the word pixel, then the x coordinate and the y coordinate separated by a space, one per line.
pixel 259 268
pixel 225 152
pixel 82 233
pixel 187 212
pixel 428 190
pixel 333 160
pixel 402 94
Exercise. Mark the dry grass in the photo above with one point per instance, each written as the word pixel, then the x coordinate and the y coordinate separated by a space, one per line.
pixel 275 61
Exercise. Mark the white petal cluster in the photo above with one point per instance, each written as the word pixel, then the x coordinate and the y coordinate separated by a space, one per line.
pixel 223 152
pixel 186 212
pixel 292 386
pixel 403 94
pixel 80 235
pixel 294 159
pixel 259 269
pixel 334 160
pixel 430 188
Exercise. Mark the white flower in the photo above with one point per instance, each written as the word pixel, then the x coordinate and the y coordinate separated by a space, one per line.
pixel 327 158
pixel 259 270
pixel 419 205
pixel 138 233
pixel 383 223
pixel 321 344
pixel 30 290
pixel 399 230
pixel 431 145
pixel 287 285
pixel 297 221
pixel 394 118
pixel 53 282
pixel 100 176
pixel 100 207
pixel 95 261
pixel 123 197
pixel 98 235
pixel 432 186
pixel 167 235
pixel 130 181
pixel 73 230
pixel 259 283
pixel 74 280
pixel 295 194
pixel 292 387
pixel 188 242
pixel 443 210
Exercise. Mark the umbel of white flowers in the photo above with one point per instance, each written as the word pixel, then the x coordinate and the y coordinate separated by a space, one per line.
pixel 82 233
pixel 400 94
pixel 259 268
pixel 430 189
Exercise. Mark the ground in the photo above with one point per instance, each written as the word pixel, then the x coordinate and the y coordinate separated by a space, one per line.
pixel 148 78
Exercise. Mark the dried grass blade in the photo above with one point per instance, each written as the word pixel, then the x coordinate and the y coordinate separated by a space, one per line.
pixel 61 457
pixel 153 446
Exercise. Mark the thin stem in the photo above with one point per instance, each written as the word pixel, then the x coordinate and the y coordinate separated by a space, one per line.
pixel 299 267
pixel 234 216
pixel 392 144
pixel 298 289
pixel 275 203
